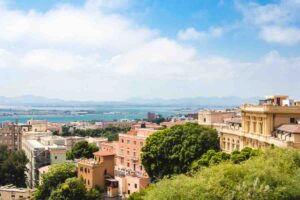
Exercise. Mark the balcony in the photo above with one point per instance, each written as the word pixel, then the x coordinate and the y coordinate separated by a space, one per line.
pixel 134 158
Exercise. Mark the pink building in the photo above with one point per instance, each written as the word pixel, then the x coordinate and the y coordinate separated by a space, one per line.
pixel 129 170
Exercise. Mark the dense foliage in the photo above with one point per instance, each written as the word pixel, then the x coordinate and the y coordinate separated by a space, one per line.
pixel 82 150
pixel 274 174
pixel 111 132
pixel 12 167
pixel 57 175
pixel 159 119
pixel 74 189
pixel 211 157
pixel 172 150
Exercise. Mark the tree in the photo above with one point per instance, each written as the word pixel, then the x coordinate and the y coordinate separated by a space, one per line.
pixel 83 149
pixel 111 132
pixel 211 157
pixel 12 167
pixel 273 174
pixel 57 175
pixel 74 189
pixel 71 189
pixel 171 151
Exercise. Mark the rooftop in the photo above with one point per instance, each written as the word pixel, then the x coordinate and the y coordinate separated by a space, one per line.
pixel 104 153
pixel 14 188
pixel 291 128
pixel 35 144
pixel 236 120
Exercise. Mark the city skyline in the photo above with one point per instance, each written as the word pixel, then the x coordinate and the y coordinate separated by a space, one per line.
pixel 114 50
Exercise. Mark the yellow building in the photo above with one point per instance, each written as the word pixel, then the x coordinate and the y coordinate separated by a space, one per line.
pixel 99 172
pixel 260 124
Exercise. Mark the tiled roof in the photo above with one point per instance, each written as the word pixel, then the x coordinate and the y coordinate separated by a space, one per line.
pixel 292 128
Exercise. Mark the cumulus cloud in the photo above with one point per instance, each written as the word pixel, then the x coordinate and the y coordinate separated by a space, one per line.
pixel 277 23
pixel 192 34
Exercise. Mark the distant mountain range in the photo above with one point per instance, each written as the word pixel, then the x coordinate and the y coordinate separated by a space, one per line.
pixel 31 100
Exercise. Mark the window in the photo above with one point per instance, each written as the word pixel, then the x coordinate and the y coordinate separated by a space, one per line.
pixel 55 157
pixel 141 167
pixel 141 143
pixel 81 169
pixel 128 164
pixel 128 141
pixel 293 121
pixel 128 192
pixel 134 142
pixel 105 172
pixel 135 185
pixel 88 182
pixel 122 141
pixel 204 120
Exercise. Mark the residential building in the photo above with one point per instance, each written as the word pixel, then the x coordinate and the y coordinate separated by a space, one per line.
pixel 146 125
pixel 72 140
pixel 109 146
pixel 130 172
pixel 99 172
pixel 271 122
pixel 43 170
pixel 52 140
pixel 10 192
pixel 10 136
pixel 96 140
pixel 38 125
pixel 215 118
pixel 38 157
pixel 151 116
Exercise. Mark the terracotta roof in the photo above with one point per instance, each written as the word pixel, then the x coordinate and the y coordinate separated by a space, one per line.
pixel 233 120
pixel 104 153
pixel 292 128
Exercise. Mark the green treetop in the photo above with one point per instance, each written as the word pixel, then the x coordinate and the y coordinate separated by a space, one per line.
pixel 172 150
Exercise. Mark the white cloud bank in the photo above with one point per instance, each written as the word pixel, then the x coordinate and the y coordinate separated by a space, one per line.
pixel 94 52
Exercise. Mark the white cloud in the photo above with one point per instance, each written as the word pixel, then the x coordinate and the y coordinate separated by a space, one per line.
pixel 281 35
pixel 277 23
pixel 192 34
pixel 91 52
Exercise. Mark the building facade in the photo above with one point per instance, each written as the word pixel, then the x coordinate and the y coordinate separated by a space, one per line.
pixel 10 192
pixel 10 136
pixel 261 125
pixel 99 172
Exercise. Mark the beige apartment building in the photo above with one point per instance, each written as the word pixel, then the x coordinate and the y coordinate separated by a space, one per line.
pixel 271 122
pixel 10 192
pixel 215 118
pixel 99 172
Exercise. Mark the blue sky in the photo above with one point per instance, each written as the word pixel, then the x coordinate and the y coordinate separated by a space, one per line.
pixel 117 49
